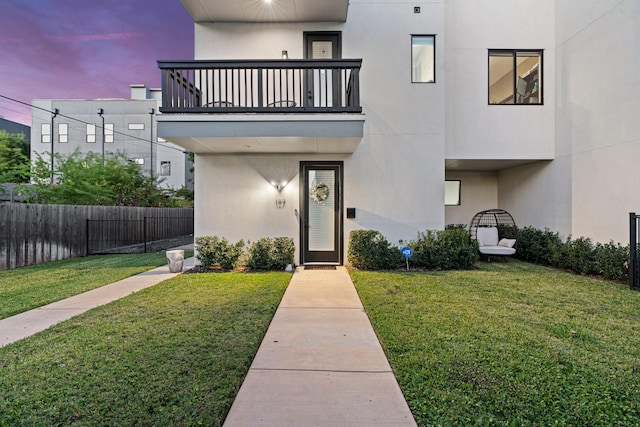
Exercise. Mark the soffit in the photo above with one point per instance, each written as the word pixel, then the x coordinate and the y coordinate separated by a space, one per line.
pixel 261 11
pixel 485 165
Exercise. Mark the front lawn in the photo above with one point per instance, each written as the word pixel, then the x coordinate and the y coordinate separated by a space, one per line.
pixel 26 288
pixel 509 344
pixel 172 354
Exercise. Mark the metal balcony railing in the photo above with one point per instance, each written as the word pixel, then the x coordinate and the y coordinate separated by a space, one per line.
pixel 254 86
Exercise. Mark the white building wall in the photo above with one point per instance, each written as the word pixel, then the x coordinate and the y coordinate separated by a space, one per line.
pixel 598 130
pixel 475 129
pixel 478 192
pixel 135 142
pixel 395 177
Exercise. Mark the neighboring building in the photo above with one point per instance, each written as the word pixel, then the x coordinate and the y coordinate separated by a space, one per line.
pixel 13 127
pixel 523 105
pixel 129 126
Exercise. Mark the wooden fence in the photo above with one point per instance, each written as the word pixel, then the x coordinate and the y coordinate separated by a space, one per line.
pixel 33 234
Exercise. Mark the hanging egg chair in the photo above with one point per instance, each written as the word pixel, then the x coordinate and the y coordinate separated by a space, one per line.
pixel 498 218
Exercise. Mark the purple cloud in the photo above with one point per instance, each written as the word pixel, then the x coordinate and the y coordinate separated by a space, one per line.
pixel 79 49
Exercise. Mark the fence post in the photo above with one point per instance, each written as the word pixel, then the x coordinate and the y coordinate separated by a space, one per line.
pixel 86 250
pixel 633 250
pixel 144 233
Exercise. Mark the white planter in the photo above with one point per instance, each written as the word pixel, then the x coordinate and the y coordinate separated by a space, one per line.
pixel 175 259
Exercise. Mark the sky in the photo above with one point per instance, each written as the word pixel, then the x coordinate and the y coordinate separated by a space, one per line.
pixel 85 49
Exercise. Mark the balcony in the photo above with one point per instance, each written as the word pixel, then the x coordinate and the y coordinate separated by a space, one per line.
pixel 282 106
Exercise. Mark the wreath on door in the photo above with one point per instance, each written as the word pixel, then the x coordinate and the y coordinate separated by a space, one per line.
pixel 320 192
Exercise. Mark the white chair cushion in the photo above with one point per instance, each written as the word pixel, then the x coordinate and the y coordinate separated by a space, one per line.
pixel 507 243
pixel 487 236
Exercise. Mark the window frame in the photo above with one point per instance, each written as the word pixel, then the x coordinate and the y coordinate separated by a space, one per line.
pixel 91 126
pixel 459 192
pixel 433 37
pixel 514 55
pixel 63 133
pixel 44 134
pixel 109 133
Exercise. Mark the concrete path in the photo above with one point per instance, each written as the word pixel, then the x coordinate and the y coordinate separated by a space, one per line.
pixel 320 363
pixel 28 323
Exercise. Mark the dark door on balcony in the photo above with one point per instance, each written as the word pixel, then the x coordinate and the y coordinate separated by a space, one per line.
pixel 321 207
pixel 323 86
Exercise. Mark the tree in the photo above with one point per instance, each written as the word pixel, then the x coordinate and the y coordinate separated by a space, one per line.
pixel 91 180
pixel 14 158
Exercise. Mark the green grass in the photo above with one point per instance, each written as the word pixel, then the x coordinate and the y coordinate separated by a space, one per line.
pixel 509 344
pixel 26 288
pixel 172 354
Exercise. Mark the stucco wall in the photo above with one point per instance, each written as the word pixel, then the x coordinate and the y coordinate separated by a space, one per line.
pixel 395 177
pixel 478 192
pixel 475 129
pixel 598 128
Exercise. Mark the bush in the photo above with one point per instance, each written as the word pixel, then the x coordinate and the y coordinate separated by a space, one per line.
pixel 271 254
pixel 369 250
pixel 449 249
pixel 539 247
pixel 213 250
pixel 612 260
pixel 579 255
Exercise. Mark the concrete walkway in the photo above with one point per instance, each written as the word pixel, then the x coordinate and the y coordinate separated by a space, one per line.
pixel 320 363
pixel 28 323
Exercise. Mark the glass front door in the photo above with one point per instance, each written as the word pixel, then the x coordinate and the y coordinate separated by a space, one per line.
pixel 321 225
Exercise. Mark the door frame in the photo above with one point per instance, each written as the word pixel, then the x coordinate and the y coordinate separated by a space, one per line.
pixel 338 166
pixel 308 38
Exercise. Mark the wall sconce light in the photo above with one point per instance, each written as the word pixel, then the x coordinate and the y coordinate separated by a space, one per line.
pixel 285 54
pixel 279 186
pixel 280 203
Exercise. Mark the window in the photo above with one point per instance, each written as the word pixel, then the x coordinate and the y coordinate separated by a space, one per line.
pixel 165 168
pixel 46 132
pixel 515 77
pixel 452 193
pixel 91 132
pixel 63 132
pixel 423 59
pixel 136 126
pixel 108 132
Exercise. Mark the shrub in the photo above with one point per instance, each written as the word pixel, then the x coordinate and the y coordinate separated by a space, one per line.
pixel 271 254
pixel 612 260
pixel 213 250
pixel 577 255
pixel 369 250
pixel 537 246
pixel 449 249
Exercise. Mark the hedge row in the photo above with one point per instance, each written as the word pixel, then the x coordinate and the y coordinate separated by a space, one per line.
pixel 264 254
pixel 452 249
pixel 581 255
pixel 449 249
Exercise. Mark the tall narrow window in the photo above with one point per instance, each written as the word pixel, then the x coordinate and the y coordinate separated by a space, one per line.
pixel 515 77
pixel 423 59
pixel 91 132
pixel 108 132
pixel 46 132
pixel 452 193
pixel 165 168
pixel 63 132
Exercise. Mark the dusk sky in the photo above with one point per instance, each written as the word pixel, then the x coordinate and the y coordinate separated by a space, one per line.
pixel 85 49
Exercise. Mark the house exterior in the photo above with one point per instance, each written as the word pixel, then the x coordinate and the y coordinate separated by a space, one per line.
pixel 312 119
pixel 130 126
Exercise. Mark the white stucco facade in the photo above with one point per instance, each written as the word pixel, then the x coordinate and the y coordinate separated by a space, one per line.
pixel 566 164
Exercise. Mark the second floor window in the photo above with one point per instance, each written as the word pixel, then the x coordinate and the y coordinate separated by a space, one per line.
pixel 108 132
pixel 46 132
pixel 91 132
pixel 515 77
pixel 63 132
pixel 423 59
